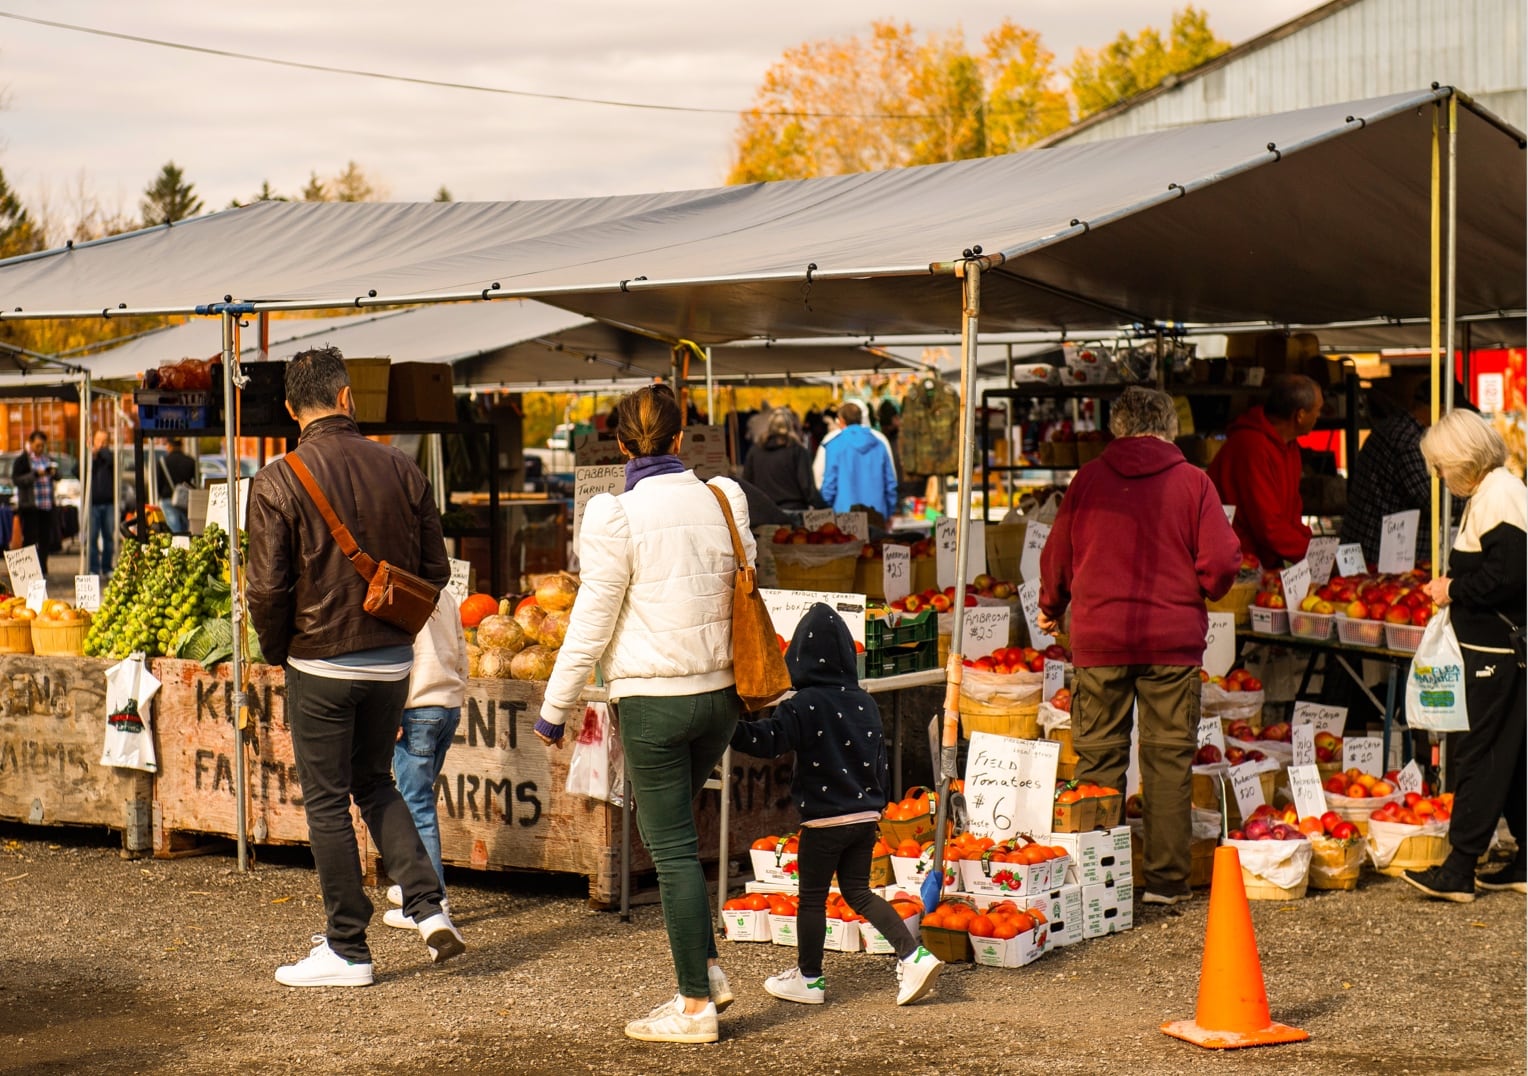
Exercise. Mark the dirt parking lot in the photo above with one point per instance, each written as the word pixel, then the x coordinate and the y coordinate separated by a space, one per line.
pixel 145 966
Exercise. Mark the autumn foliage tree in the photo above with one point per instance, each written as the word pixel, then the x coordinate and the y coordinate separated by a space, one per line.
pixel 1128 65
pixel 890 99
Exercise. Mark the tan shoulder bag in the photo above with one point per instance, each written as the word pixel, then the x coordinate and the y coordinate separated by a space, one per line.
pixel 757 664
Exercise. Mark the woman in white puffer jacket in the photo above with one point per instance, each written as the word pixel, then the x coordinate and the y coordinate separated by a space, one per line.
pixel 655 609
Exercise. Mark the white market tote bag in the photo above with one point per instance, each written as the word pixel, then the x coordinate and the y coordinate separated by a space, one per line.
pixel 1435 684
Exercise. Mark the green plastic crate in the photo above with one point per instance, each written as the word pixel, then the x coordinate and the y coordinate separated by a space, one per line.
pixel 910 628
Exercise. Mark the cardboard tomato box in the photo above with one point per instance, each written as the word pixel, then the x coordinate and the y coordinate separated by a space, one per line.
pixel 1108 907
pixel 776 868
pixel 1013 952
pixel 747 926
pixel 1098 855
pixel 909 873
pixel 1062 908
pixel 982 876
pixel 841 937
pixel 782 930
pixel 875 942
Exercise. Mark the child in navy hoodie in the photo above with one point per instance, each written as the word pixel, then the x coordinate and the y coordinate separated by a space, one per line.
pixel 839 786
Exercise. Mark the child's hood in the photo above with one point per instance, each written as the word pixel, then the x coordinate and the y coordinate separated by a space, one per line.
pixel 821 653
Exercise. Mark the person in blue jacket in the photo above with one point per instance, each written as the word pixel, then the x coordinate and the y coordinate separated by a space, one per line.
pixel 858 467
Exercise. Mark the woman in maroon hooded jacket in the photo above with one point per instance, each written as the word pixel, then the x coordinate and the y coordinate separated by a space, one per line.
pixel 1139 544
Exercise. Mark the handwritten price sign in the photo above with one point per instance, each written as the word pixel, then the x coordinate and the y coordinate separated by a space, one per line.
pixel 1305 789
pixel 1009 785
pixel 1322 555
pixel 1296 580
pixel 944 552
pixel 1331 719
pixel 1247 786
pixel 984 630
pixel 1220 644
pixel 24 567
pixel 1035 535
pixel 590 482
pixel 1210 732
pixel 855 523
pixel 896 571
pixel 1350 560
pixel 1365 753
pixel 1411 777
pixel 787 607
pixel 87 592
pixel 217 503
pixel 1029 601
pixel 1055 677
pixel 1398 541
pixel 813 518
pixel 461 572
pixel 1302 738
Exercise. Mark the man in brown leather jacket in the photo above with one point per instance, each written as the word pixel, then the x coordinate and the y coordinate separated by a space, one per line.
pixel 347 673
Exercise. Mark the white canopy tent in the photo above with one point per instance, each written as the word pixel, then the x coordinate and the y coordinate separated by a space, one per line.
pixel 1311 217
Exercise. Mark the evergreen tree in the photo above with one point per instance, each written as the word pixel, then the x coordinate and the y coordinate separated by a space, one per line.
pixel 443 195
pixel 18 233
pixel 169 198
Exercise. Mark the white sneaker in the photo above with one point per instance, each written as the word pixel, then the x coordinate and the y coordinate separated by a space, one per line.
pixel 793 986
pixel 395 895
pixel 394 917
pixel 669 1023
pixel 442 938
pixel 721 989
pixel 916 975
pixel 324 967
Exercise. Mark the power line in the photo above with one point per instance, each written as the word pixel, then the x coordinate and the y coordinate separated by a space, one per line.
pixel 384 76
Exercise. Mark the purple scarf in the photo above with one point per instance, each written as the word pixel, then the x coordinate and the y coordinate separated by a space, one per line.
pixel 640 467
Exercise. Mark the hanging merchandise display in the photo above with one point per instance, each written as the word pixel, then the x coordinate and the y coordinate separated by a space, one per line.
pixel 930 438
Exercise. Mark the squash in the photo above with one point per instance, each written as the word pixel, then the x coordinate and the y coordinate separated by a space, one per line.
pixel 474 655
pixel 552 630
pixel 476 607
pixel 533 663
pixel 501 631
pixel 528 615
pixel 494 664
pixel 555 593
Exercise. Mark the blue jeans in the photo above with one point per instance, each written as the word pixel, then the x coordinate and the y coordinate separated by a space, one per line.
pixel 417 758
pixel 102 526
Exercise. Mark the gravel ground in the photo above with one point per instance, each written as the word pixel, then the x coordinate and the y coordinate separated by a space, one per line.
pixel 124 966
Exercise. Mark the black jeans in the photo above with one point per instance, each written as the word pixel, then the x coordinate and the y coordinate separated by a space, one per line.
pixel 37 529
pixel 1490 774
pixel 846 850
pixel 343 732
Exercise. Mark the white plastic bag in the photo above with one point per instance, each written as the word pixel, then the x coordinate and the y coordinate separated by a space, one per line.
pixel 1285 864
pixel 595 768
pixel 1216 701
pixel 129 731
pixel 1435 685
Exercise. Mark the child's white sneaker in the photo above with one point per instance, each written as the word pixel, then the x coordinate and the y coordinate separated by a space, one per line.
pixel 395 895
pixel 793 986
pixel 916 975
pixel 324 967
pixel 395 918
pixel 441 938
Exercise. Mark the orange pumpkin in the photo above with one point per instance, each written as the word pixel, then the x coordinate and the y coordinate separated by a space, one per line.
pixel 476 607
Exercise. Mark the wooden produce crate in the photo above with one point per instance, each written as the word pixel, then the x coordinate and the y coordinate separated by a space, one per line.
pixel 501 797
pixel 52 728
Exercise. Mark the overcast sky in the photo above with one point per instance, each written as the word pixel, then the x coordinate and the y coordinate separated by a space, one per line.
pixel 106 114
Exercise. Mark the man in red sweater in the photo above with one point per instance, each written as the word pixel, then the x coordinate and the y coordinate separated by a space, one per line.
pixel 1139 543
pixel 1258 470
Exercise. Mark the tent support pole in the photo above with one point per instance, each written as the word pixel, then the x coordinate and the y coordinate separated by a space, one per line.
pixel 236 618
pixel 1434 288
pixel 85 469
pixel 1450 286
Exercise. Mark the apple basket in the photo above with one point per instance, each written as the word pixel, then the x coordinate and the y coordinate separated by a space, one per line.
pixel 51 637
pixel 15 636
pixel 1238 600
pixel 1403 636
pixel 1335 864
pixel 1311 625
pixel 1005 704
pixel 1394 847
pixel 1360 632
pixel 817 567
pixel 1274 870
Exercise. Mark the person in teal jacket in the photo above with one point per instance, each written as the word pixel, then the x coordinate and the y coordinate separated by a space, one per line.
pixel 858 468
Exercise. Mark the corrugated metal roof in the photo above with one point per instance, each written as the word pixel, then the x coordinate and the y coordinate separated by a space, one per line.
pixel 1340 51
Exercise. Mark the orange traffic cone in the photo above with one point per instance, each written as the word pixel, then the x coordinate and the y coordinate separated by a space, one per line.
pixel 1233 1004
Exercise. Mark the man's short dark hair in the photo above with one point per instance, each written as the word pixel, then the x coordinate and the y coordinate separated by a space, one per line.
pixel 314 379
pixel 850 413
pixel 34 435
pixel 1289 393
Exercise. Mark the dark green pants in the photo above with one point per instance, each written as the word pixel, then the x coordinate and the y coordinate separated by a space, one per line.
pixel 672 745
pixel 1167 698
